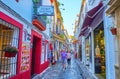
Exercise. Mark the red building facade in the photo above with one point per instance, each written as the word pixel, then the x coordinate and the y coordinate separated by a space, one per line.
pixel 27 62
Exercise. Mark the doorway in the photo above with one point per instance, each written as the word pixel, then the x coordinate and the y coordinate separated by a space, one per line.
pixel 36 41
pixel 34 51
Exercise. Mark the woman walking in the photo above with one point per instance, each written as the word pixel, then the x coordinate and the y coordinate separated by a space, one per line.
pixel 63 57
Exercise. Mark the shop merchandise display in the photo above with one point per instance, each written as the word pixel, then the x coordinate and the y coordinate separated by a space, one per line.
pixel 99 53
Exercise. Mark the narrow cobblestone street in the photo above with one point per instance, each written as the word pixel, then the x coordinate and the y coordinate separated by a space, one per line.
pixel 56 72
pixel 38 36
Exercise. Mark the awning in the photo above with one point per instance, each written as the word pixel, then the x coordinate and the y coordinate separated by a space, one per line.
pixel 91 15
pixel 82 31
pixel 85 32
pixel 38 24
pixel 75 41
pixel 60 39
pixel 98 19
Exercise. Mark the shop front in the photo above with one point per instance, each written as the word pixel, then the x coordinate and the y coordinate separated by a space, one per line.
pixel 10 36
pixel 80 50
pixel 39 50
pixel 34 54
pixel 99 49
pixel 36 42
pixel 32 51
pixel 57 47
pixel 88 50
pixel 95 47
pixel 44 55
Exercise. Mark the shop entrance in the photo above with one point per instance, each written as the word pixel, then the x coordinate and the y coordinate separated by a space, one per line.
pixel 36 41
pixel 34 51
pixel 99 44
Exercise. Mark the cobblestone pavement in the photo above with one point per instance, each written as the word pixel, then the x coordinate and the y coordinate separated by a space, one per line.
pixel 56 72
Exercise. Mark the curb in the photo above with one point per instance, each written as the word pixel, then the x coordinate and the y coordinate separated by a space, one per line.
pixel 38 76
pixel 86 74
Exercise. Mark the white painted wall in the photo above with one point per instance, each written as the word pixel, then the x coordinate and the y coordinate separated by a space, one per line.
pixel 83 50
pixel 111 48
pixel 93 53
pixel 46 2
pixel 92 4
pixel 23 8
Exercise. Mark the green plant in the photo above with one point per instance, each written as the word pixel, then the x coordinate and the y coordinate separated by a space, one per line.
pixel 10 49
pixel 36 1
pixel 62 36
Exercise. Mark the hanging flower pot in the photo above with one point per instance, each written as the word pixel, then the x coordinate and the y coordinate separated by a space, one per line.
pixel 7 54
pixel 10 51
pixel 113 31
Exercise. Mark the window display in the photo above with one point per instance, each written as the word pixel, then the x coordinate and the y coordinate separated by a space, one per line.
pixel 99 51
pixel 87 50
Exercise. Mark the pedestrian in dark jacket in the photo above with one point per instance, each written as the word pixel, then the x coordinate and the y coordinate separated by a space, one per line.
pixel 68 57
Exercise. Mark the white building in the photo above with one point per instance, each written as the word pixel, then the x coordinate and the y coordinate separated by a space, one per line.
pixel 97 41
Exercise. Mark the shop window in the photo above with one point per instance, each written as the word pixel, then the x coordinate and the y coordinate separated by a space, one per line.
pixel 9 35
pixel 47 52
pixel 100 62
pixel 43 52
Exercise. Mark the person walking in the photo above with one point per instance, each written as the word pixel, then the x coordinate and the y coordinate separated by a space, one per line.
pixel 68 57
pixel 63 57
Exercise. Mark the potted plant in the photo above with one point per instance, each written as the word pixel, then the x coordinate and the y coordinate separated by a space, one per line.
pixel 10 51
pixel 113 30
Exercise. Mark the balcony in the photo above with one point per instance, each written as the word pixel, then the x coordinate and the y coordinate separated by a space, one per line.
pixel 39 22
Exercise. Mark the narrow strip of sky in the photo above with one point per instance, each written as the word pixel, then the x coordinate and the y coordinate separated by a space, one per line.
pixel 72 8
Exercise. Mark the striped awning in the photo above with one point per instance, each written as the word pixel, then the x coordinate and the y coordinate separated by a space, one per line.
pixel 91 15
pixel 93 18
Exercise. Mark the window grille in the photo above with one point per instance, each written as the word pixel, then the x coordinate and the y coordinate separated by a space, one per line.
pixel 9 35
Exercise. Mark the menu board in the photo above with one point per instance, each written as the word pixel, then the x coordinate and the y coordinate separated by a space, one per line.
pixel 25 57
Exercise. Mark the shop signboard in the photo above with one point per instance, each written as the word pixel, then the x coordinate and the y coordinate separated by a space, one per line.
pixel 46 11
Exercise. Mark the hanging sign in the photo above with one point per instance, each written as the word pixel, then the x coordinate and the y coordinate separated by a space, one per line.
pixel 46 10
